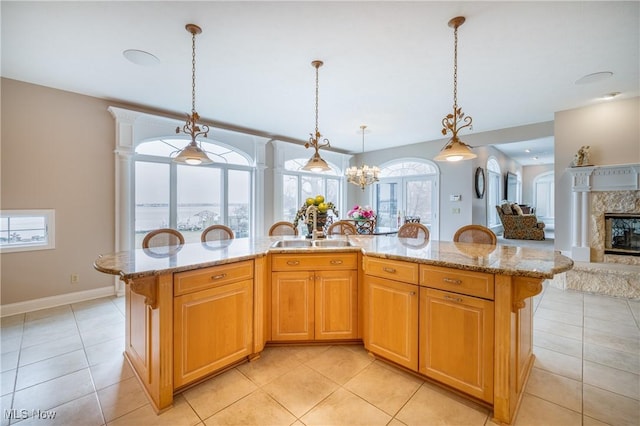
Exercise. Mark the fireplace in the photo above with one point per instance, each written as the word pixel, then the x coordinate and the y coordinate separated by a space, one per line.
pixel 622 234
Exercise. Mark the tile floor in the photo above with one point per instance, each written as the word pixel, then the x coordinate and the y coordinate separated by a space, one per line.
pixel 68 361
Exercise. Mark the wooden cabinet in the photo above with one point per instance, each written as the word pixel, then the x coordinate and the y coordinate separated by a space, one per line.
pixel 391 310
pixel 456 341
pixel 314 297
pixel 457 329
pixel 213 320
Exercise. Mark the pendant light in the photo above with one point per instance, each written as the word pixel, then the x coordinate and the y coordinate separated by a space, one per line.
pixel 364 175
pixel 455 149
pixel 193 154
pixel 316 163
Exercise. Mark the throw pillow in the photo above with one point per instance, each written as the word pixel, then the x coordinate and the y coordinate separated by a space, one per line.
pixel 517 209
pixel 506 208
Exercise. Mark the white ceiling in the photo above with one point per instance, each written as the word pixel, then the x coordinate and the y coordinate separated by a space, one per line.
pixel 388 65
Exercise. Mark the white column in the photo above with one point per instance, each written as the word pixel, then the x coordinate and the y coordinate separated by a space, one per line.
pixel 576 214
pixel 260 155
pixel 584 221
pixel 124 148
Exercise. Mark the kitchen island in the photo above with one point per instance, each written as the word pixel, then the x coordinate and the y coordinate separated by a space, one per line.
pixel 459 314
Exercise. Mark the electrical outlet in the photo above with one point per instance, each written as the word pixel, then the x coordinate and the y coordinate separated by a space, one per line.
pixel 75 278
pixel 455 210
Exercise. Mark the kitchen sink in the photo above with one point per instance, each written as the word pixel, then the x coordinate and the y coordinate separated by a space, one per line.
pixel 332 243
pixel 311 243
pixel 292 243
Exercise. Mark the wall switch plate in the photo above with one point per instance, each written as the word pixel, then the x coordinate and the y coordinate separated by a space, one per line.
pixel 455 210
pixel 455 197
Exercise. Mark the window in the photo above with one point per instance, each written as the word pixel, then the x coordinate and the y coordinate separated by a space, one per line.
pixel 298 185
pixel 27 230
pixel 191 198
pixel 493 192
pixel 407 188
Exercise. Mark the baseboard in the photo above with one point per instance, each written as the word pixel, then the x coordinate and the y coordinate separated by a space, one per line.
pixel 52 301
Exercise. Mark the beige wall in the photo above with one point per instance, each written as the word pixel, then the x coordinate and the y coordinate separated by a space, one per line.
pixel 57 153
pixel 611 129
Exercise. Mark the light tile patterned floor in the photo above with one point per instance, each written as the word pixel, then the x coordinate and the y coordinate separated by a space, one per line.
pixel 68 361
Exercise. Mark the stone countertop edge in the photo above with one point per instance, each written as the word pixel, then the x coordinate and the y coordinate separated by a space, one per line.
pixel 124 265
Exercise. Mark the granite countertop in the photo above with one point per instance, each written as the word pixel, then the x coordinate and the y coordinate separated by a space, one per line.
pixel 501 259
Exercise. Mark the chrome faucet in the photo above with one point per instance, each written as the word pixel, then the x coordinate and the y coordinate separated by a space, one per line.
pixel 312 210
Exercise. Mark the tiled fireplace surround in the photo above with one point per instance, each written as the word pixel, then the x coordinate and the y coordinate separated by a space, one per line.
pixel 598 190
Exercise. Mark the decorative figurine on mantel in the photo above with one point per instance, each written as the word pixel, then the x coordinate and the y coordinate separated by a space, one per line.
pixel 581 158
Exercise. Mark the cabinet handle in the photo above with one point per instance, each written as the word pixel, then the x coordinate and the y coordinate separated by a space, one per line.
pixel 219 276
pixel 389 270
pixel 293 262
pixel 453 299
pixel 336 262
pixel 412 293
pixel 452 281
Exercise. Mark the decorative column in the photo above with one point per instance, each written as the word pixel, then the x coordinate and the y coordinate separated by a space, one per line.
pixel 124 148
pixel 260 153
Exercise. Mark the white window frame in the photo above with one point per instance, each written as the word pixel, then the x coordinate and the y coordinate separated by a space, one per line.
pixel 49 242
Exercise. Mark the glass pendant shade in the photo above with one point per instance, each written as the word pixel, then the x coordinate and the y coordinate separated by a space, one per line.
pixel 192 155
pixel 455 150
pixel 316 164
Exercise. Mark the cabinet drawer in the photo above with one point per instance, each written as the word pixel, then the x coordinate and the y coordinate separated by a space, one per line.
pixel 406 272
pixel 200 279
pixel 292 262
pixel 465 282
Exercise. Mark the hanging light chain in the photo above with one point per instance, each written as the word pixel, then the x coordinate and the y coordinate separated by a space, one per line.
pixel 317 134
pixel 455 68
pixel 193 72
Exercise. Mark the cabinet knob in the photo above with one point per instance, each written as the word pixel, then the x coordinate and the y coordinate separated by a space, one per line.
pixel 389 270
pixel 218 277
pixel 336 262
pixel 453 299
pixel 452 281
pixel 412 293
pixel 293 262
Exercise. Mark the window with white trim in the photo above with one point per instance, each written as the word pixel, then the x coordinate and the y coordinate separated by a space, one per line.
pixel 298 185
pixel 27 230
pixel 191 198
pixel 407 187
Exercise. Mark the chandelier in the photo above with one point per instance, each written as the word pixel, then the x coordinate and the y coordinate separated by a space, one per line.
pixel 193 154
pixel 316 163
pixel 455 149
pixel 364 175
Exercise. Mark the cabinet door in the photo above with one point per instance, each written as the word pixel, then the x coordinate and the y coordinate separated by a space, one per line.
pixel 336 305
pixel 292 305
pixel 391 320
pixel 212 329
pixel 456 341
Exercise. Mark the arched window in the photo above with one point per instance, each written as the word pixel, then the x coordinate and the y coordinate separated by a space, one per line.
pixel 494 194
pixel 190 198
pixel 407 187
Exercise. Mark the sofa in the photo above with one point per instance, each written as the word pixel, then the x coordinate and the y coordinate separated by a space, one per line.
pixel 518 225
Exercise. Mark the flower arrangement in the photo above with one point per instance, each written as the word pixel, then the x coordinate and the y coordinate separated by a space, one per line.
pixel 319 202
pixel 361 212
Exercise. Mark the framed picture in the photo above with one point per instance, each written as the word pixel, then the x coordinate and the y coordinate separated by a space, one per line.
pixel 480 184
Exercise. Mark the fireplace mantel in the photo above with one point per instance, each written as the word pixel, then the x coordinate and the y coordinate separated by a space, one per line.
pixel 587 179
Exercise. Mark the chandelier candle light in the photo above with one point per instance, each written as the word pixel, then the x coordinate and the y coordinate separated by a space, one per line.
pixel 316 163
pixel 364 175
pixel 455 149
pixel 193 154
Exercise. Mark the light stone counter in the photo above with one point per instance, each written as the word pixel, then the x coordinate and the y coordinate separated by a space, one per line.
pixel 506 260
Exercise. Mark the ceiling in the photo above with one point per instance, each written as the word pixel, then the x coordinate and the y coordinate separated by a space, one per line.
pixel 388 65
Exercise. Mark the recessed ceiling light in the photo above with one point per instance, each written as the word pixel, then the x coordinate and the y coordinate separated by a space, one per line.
pixel 140 57
pixel 535 158
pixel 592 78
pixel 610 96
pixel 527 150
